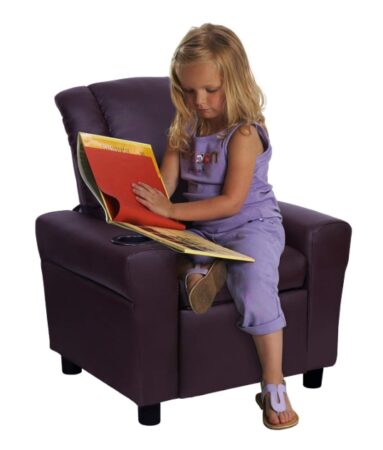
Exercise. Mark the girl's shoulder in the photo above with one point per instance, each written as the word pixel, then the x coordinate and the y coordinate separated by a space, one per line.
pixel 251 135
pixel 246 135
pixel 244 129
pixel 243 125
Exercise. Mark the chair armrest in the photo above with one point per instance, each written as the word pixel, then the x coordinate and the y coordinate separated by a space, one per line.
pixel 144 274
pixel 325 241
pixel 82 244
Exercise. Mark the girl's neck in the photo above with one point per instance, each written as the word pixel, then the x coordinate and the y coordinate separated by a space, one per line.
pixel 207 130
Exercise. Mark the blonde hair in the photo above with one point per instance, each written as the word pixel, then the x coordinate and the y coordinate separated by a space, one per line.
pixel 244 98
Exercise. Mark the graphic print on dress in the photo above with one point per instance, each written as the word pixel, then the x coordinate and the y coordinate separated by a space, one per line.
pixel 203 162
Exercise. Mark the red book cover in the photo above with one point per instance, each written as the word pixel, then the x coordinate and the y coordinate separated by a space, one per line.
pixel 114 173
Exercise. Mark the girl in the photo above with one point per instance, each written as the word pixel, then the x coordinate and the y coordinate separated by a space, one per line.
pixel 219 143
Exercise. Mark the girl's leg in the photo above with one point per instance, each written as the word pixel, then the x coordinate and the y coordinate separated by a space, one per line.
pixel 269 348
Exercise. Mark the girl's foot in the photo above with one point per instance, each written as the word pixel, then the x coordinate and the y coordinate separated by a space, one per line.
pixel 202 284
pixel 273 419
pixel 194 277
pixel 282 417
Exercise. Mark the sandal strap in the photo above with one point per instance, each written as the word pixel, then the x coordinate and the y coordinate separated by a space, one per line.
pixel 198 269
pixel 277 398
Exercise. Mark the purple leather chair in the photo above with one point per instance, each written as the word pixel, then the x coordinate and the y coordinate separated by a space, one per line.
pixel 117 311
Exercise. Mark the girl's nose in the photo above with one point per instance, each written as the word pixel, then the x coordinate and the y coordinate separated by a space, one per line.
pixel 200 100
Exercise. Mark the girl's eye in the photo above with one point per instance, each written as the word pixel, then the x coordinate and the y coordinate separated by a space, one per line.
pixel 187 91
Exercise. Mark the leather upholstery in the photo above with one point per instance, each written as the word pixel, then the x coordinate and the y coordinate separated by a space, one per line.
pixel 116 310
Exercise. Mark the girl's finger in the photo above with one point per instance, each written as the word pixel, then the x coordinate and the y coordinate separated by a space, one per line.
pixel 145 186
pixel 141 200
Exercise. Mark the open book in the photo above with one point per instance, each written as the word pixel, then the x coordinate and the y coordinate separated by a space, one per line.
pixel 109 166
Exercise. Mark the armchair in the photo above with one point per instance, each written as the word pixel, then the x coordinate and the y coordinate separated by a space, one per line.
pixel 117 311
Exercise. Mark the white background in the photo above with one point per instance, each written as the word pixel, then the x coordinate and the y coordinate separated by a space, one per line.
pixel 319 65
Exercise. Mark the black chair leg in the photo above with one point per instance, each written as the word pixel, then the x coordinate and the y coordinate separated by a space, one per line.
pixel 313 378
pixel 69 368
pixel 150 414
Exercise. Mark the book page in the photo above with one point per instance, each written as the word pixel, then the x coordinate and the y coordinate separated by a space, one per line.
pixel 88 178
pixel 186 242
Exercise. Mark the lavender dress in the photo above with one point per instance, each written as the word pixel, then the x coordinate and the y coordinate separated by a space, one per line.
pixel 256 231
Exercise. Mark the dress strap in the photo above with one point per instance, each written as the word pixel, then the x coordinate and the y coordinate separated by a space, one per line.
pixel 263 135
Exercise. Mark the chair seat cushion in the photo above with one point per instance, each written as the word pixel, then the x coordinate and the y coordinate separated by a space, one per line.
pixel 292 272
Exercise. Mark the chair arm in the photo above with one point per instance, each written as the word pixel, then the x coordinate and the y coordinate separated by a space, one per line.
pixel 82 244
pixel 325 241
pixel 144 274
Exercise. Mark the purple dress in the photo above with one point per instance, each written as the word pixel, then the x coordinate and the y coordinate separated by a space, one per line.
pixel 205 172
pixel 256 230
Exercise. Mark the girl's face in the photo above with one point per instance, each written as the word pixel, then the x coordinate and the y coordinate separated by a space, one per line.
pixel 203 92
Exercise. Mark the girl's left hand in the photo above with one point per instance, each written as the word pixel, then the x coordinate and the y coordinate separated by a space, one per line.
pixel 152 198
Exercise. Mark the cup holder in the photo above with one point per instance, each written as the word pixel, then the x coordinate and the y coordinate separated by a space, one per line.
pixel 130 239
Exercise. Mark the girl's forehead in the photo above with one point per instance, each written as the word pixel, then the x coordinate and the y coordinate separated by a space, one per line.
pixel 201 72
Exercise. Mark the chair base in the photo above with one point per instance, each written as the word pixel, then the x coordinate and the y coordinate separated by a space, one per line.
pixel 313 378
pixel 150 414
pixel 68 368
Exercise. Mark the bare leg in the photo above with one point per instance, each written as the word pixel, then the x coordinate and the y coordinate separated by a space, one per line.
pixel 269 348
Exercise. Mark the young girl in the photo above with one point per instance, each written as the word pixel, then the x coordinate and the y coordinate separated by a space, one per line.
pixel 218 142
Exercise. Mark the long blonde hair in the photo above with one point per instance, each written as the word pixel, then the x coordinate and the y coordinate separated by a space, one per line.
pixel 244 98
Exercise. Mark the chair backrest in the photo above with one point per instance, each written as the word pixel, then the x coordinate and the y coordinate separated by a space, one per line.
pixel 137 109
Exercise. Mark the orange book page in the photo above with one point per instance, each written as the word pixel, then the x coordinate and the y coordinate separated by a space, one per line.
pixel 114 173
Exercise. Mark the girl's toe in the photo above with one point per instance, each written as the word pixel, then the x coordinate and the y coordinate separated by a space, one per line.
pixel 286 417
pixel 274 419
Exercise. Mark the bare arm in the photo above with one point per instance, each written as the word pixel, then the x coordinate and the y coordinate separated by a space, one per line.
pixel 170 167
pixel 243 150
pixel 209 209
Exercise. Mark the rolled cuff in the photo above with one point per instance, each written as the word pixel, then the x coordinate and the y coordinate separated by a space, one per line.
pixel 264 328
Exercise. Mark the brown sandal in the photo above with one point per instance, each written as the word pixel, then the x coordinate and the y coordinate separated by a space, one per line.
pixel 204 291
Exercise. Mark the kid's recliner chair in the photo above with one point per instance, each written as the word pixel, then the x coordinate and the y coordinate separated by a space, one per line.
pixel 117 311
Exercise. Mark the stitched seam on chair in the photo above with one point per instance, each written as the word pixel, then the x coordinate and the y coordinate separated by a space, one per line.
pixel 309 296
pixel 125 299
pixel 139 382
pixel 139 362
pixel 101 109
